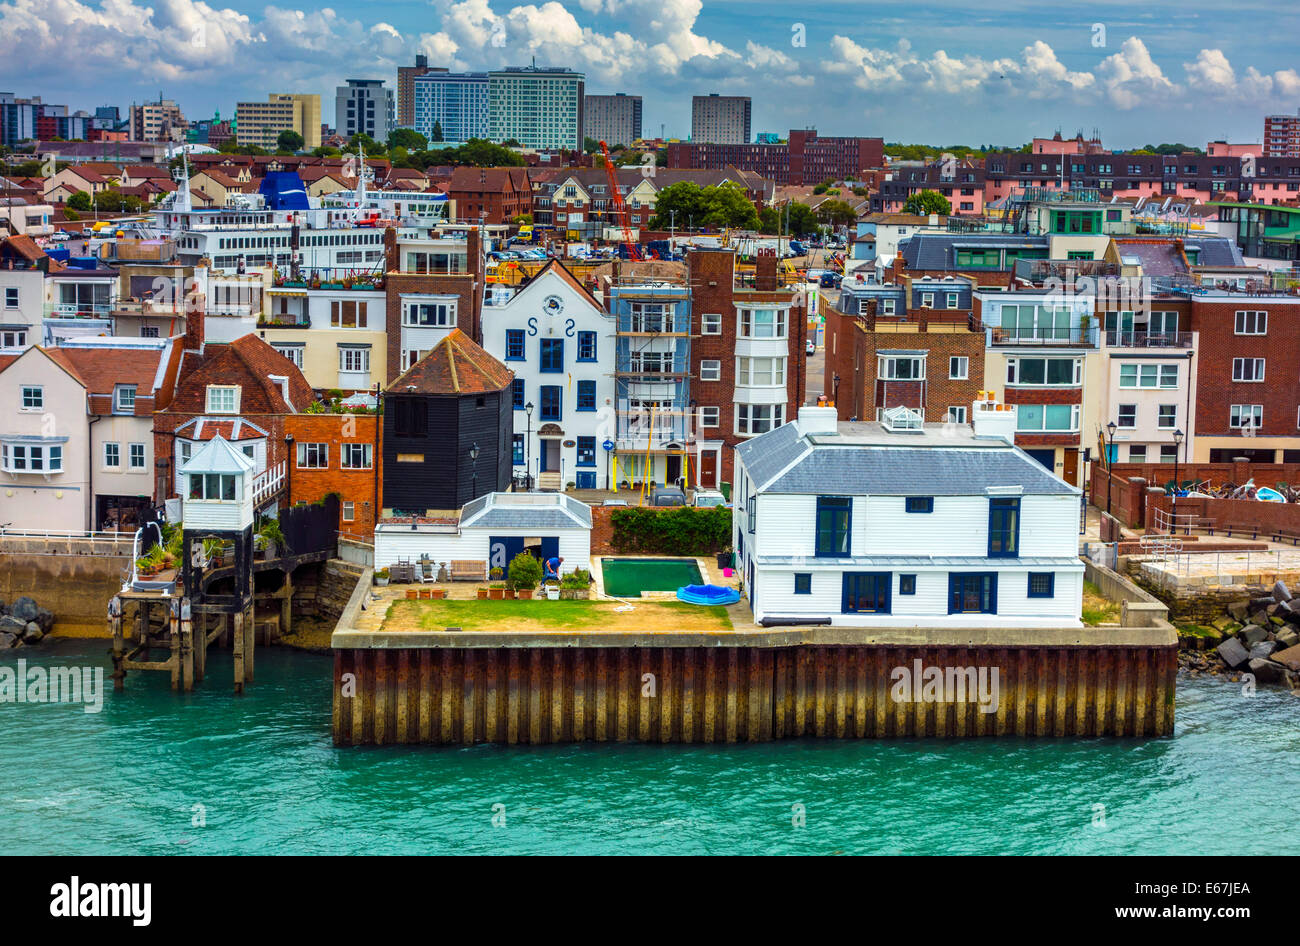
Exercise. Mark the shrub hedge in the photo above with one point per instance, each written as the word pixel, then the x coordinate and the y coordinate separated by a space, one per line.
pixel 681 530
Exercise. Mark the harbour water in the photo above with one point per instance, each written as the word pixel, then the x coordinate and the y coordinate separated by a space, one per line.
pixel 209 773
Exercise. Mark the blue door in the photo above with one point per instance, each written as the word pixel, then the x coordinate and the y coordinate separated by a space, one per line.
pixel 502 548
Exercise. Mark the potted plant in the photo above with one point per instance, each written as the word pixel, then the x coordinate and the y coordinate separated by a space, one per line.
pixel 381 577
pixel 439 594
pixel 482 594
pixel 524 575
pixel 510 592
pixel 570 485
pixel 497 591
pixel 552 592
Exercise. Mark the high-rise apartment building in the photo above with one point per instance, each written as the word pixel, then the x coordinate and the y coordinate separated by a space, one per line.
pixel 364 106
pixel 614 119
pixel 158 121
pixel 260 123
pixel 1282 136
pixel 406 76
pixel 539 106
pixel 452 105
pixel 720 119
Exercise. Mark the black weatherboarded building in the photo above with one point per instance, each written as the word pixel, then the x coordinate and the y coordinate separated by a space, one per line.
pixel 448 430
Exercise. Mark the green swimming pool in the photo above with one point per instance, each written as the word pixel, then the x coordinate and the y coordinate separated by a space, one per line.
pixel 628 577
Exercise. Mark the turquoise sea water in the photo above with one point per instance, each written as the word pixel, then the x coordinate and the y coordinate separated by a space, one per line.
pixel 126 780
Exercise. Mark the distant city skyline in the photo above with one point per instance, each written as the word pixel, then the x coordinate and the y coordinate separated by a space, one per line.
pixel 912 72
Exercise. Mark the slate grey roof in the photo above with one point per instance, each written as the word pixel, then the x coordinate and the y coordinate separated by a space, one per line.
pixel 1215 251
pixel 540 511
pixel 936 251
pixel 783 461
pixel 911 471
pixel 766 456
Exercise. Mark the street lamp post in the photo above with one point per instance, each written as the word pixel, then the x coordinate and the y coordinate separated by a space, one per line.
pixel 1110 456
pixel 473 457
pixel 835 389
pixel 528 449
pixel 1178 444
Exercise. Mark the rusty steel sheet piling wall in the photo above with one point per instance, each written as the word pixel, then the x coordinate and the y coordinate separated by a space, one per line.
pixel 571 690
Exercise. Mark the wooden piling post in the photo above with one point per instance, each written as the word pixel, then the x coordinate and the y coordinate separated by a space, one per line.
pixel 186 644
pixel 286 606
pixel 176 657
pixel 239 650
pixel 250 642
pixel 115 626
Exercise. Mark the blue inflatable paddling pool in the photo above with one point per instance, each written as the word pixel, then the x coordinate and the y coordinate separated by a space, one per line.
pixel 708 594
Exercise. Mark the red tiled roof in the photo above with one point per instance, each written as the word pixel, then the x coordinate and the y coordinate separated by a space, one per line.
pixel 249 362
pixel 455 366
pixel 25 247
pixel 101 370
pixel 208 428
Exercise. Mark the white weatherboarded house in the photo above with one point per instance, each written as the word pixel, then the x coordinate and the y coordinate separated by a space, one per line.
pixel 219 488
pixel 494 529
pixel 899 524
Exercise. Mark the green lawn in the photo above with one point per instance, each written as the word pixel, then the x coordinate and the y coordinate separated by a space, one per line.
pixel 542 615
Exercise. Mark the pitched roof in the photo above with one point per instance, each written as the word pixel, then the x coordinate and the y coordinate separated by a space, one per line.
pixel 785 461
pixel 102 369
pixel 249 362
pixel 476 180
pixel 208 428
pixel 454 366
pixel 218 455
pixel 540 511
pixel 25 247
pixel 146 171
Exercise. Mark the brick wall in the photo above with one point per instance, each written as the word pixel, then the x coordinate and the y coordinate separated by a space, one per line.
pixel 1225 514
pixel 355 486
pixel 1219 345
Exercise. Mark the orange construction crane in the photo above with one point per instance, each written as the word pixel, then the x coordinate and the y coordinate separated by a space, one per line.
pixel 620 208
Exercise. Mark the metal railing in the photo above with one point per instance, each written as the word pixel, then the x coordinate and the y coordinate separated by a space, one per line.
pixel 1120 339
pixel 1044 337
pixel 269 482
pixel 78 310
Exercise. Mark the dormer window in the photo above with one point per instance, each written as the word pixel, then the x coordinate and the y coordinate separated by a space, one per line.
pixel 223 399
pixel 124 399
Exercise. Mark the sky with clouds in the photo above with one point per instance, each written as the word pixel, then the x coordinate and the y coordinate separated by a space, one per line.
pixel 941 72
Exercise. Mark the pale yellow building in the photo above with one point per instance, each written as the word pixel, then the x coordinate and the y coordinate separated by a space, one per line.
pixel 260 123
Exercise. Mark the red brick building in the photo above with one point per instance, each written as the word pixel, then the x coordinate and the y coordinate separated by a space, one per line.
pixel 737 355
pixel 805 159
pixel 903 345
pixel 1247 400
pixel 498 195
pixel 446 272
pixel 249 394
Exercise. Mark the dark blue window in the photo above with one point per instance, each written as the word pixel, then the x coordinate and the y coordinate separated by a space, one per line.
pixel 920 504
pixel 552 355
pixel 866 593
pixel 517 393
pixel 514 344
pixel 803 583
pixel 972 593
pixel 586 346
pixel 551 402
pixel 586 451
pixel 834 514
pixel 1004 528
pixel 907 584
pixel 1042 584
pixel 586 395
pixel 519 449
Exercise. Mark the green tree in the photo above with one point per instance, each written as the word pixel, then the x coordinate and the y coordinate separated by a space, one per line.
pixel 79 201
pixel 437 131
pixel 525 572
pixel 520 220
pixel 326 152
pixel 289 140
pixel 926 202
pixel 590 145
pixel 723 206
pixel 370 144
pixel 407 138
pixel 727 206
pixel 484 154
pixel 836 212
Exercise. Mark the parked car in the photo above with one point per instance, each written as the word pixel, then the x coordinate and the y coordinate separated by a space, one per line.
pixel 614 502
pixel 830 280
pixel 667 496
pixel 705 498
pixel 811 347
pixel 61 235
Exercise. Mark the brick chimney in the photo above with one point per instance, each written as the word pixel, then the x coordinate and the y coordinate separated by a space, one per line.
pixel 765 271
pixel 391 262
pixel 195 302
